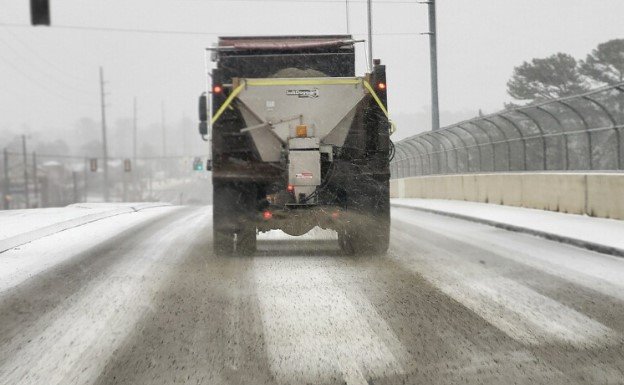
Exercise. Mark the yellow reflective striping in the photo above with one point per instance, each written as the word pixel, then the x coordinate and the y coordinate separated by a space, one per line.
pixel 227 102
pixel 302 82
pixel 374 95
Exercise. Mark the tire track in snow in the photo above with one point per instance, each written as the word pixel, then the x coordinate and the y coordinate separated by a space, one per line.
pixel 520 312
pixel 73 347
pixel 314 332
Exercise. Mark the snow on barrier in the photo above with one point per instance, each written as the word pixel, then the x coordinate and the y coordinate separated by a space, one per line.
pixel 595 194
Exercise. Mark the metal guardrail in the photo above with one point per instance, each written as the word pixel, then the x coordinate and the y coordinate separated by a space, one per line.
pixel 581 132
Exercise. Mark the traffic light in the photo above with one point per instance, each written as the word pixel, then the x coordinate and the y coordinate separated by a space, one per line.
pixel 40 12
pixel 198 165
pixel 127 165
pixel 93 164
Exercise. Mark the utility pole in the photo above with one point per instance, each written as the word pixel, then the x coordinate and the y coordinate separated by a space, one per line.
pixel 370 34
pixel 164 130
pixel 7 182
pixel 164 139
pixel 347 15
pixel 25 157
pixel 433 49
pixel 75 183
pixel 185 146
pixel 104 142
pixel 86 180
pixel 134 132
pixel 35 178
pixel 135 170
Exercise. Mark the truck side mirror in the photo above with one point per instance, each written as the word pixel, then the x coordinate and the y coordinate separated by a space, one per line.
pixel 203 110
pixel 203 115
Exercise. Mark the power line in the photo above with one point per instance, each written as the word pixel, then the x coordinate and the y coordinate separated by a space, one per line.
pixel 170 32
pixel 301 1
pixel 44 59
pixel 110 158
pixel 104 138
pixel 52 91
pixel 44 72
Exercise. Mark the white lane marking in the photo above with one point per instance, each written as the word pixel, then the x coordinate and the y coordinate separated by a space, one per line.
pixel 313 331
pixel 600 272
pixel 26 261
pixel 73 343
pixel 518 311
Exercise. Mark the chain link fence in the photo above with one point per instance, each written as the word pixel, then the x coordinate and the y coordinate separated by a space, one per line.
pixel 44 180
pixel 581 132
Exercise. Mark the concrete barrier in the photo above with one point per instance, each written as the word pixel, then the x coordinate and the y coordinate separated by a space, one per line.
pixel 596 194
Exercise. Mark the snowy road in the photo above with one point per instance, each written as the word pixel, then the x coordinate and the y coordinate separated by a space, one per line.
pixel 140 299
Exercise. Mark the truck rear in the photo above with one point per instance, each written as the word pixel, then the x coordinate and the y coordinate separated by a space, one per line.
pixel 298 141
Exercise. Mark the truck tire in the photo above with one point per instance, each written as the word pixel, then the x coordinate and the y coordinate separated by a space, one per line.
pixel 345 242
pixel 223 242
pixel 377 237
pixel 246 240
pixel 234 230
pixel 369 231
pixel 370 239
pixel 223 218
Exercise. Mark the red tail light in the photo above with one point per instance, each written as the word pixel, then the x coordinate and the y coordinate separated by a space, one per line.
pixel 217 89
pixel 290 188
pixel 381 86
pixel 267 215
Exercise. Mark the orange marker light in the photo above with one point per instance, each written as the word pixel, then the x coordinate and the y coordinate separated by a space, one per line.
pixel 381 86
pixel 267 215
pixel 217 89
pixel 302 131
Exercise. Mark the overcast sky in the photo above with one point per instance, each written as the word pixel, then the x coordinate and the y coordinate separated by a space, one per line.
pixel 49 76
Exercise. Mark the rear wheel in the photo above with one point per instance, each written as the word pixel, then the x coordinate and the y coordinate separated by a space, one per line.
pixel 365 239
pixel 246 240
pixel 223 242
pixel 344 240
pixel 234 230
pixel 368 232
pixel 223 218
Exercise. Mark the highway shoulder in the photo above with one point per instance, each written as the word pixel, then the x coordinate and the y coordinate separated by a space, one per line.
pixel 596 234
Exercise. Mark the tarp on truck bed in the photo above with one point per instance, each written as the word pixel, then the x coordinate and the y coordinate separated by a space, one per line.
pixel 285 44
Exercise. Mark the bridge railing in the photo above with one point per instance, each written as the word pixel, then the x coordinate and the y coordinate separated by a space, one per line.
pixel 581 132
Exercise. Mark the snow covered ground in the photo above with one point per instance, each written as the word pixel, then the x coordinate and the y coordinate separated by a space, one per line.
pixel 140 298
pixel 54 244
pixel 21 226
pixel 588 231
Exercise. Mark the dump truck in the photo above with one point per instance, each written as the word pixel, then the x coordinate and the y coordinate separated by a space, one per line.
pixel 298 141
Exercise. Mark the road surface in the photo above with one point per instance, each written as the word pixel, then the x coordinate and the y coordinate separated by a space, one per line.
pixel 141 299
